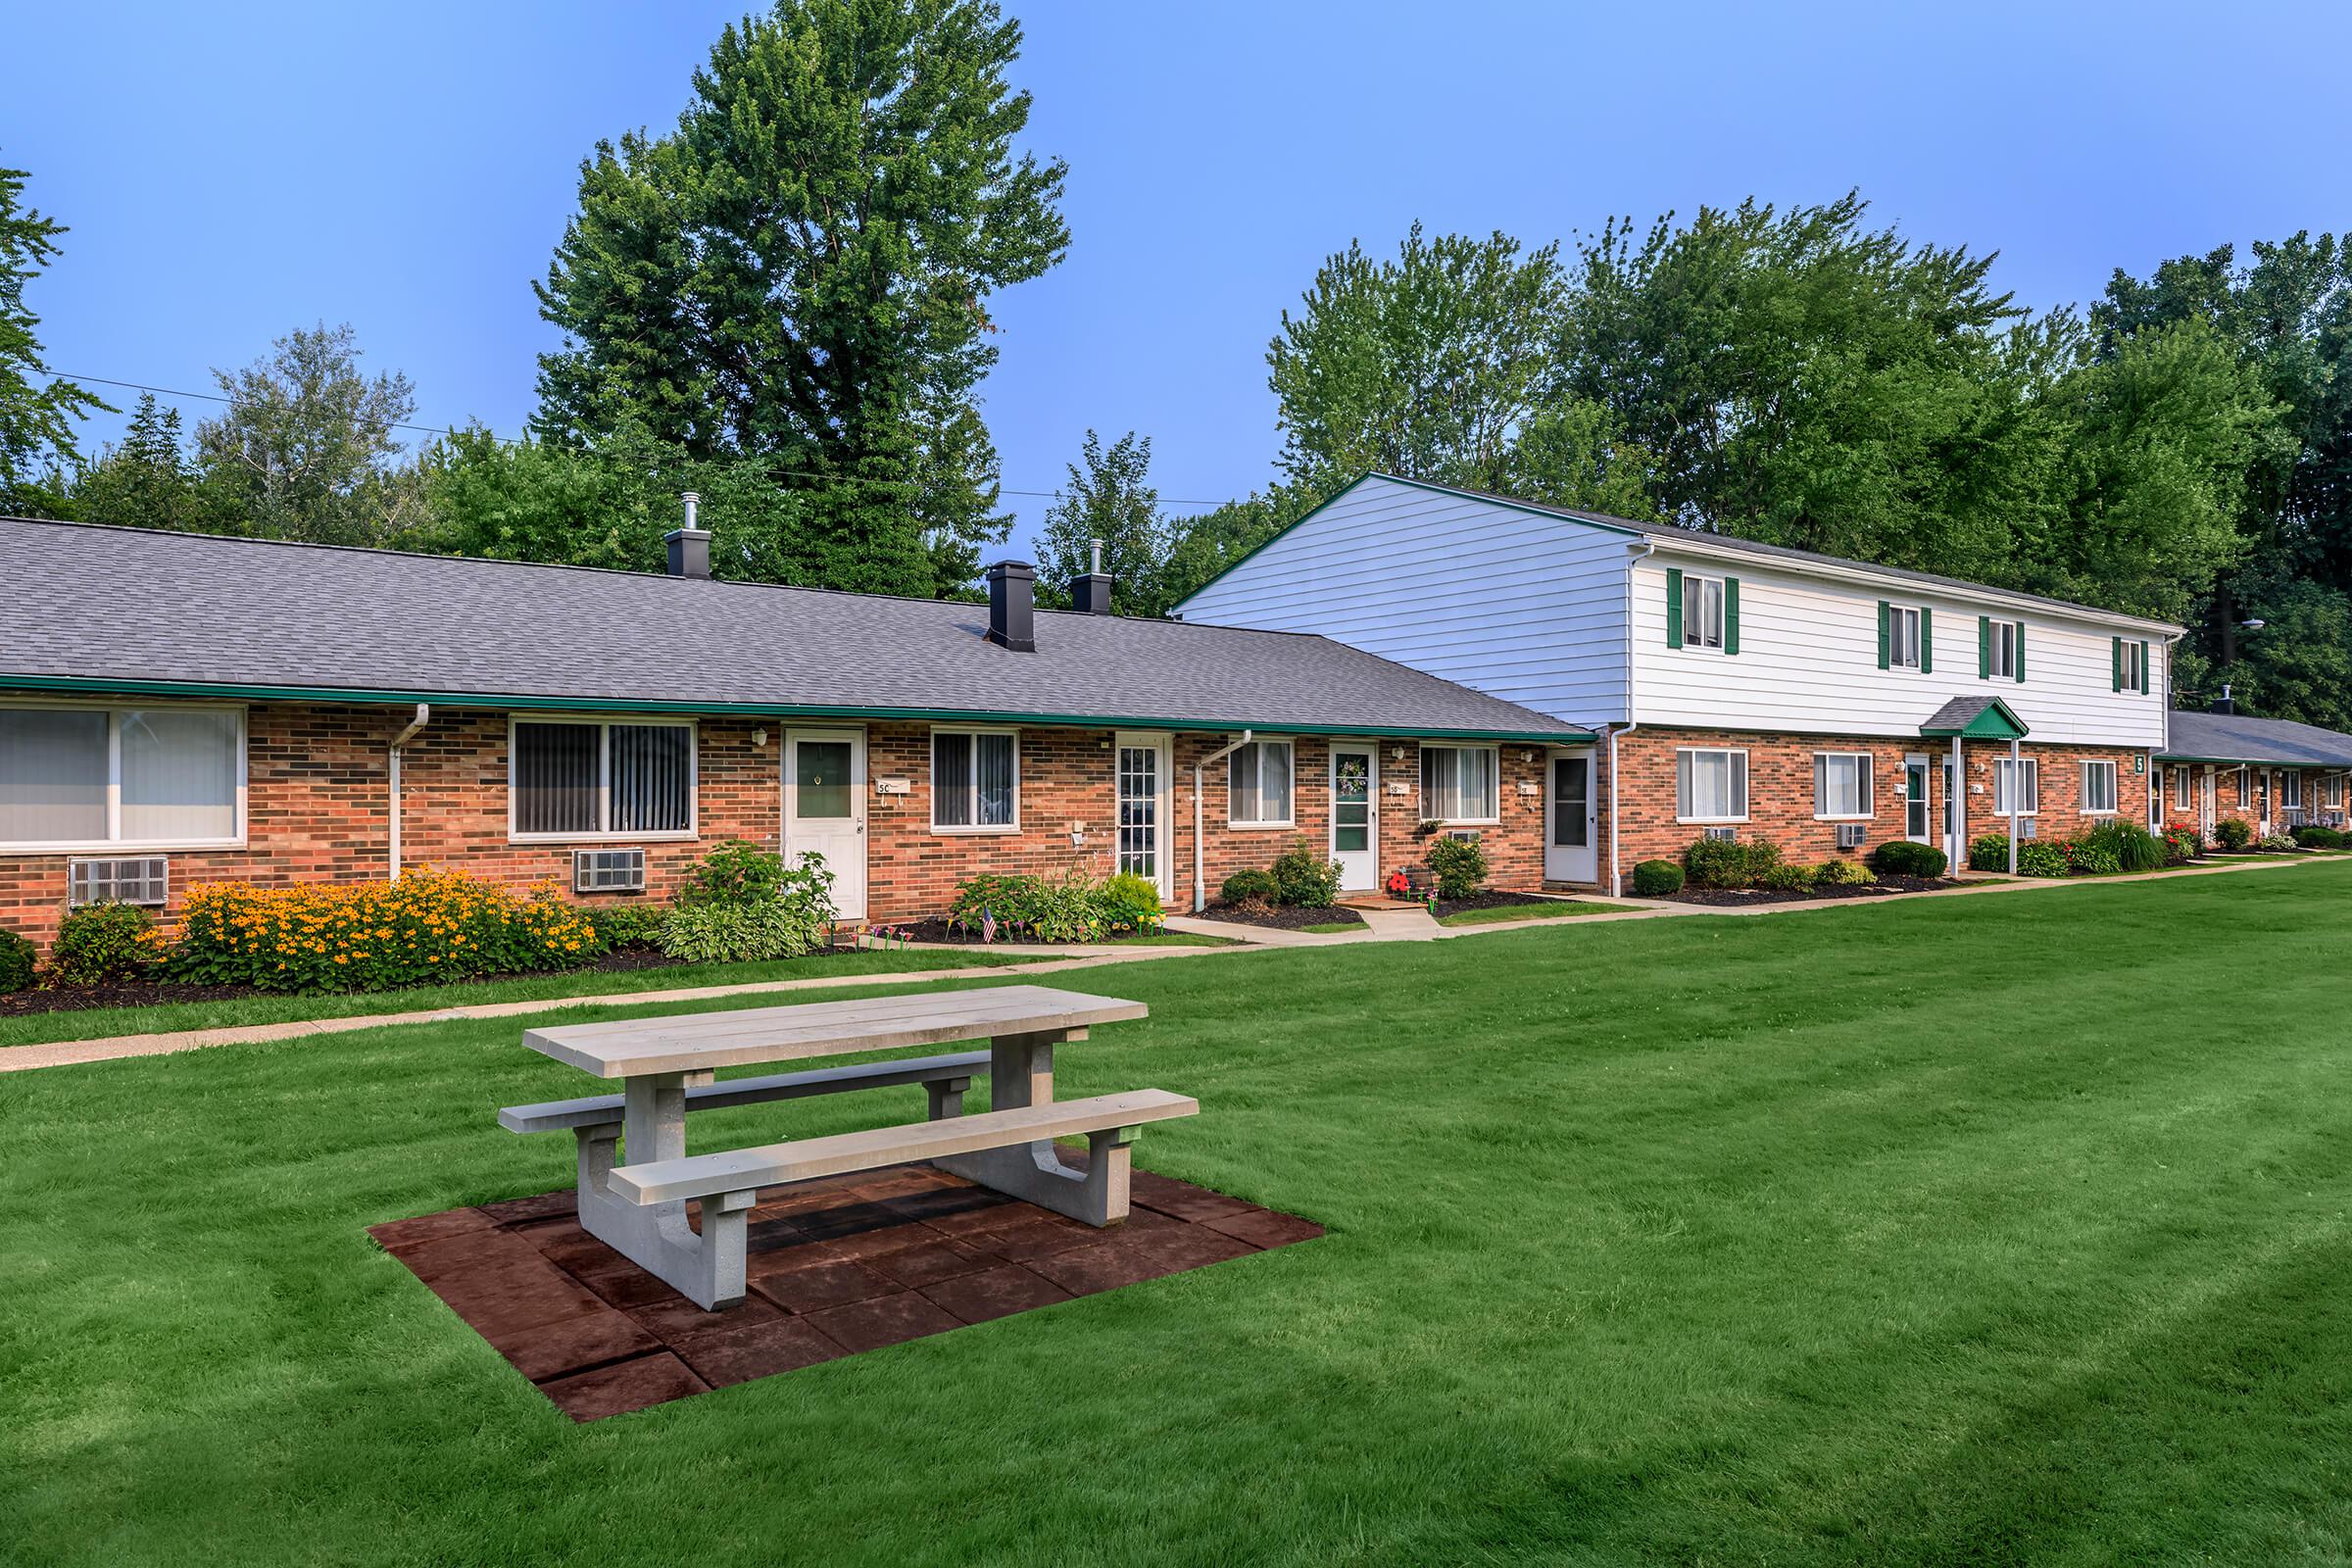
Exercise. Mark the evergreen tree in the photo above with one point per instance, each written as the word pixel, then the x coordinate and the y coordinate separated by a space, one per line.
pixel 36 410
pixel 144 480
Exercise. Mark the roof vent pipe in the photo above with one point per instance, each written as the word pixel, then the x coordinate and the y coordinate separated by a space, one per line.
pixel 1012 606
pixel 1090 593
pixel 690 546
pixel 2224 704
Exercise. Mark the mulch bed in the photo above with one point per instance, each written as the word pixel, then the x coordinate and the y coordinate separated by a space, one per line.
pixel 1282 917
pixel 1728 896
pixel 938 930
pixel 837 1266
pixel 1492 899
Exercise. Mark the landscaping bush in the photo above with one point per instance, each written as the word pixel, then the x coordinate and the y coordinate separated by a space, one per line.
pixel 2233 833
pixel 1842 874
pixel 1458 864
pixel 2091 856
pixel 744 906
pixel 629 925
pixel 1902 857
pixel 17 956
pixel 1990 852
pixel 370 936
pixel 1072 907
pixel 1786 878
pixel 2311 838
pixel 2182 844
pixel 1656 879
pixel 1304 878
pixel 99 944
pixel 2133 847
pixel 737 871
pixel 1250 886
pixel 2276 842
pixel 1728 863
pixel 2042 857
pixel 1131 903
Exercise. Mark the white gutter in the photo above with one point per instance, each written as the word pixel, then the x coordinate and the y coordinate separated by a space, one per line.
pixel 425 711
pixel 1642 550
pixel 1199 893
pixel 2014 774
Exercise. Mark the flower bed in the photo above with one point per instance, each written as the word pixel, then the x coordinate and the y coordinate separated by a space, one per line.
pixel 1283 916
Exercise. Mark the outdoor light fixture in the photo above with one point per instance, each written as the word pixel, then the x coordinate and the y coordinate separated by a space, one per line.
pixel 760 736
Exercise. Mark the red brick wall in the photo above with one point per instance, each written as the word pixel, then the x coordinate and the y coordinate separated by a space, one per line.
pixel 318 790
pixel 2265 796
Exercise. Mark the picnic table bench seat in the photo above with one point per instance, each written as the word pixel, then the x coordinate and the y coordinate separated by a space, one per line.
pixel 941 1075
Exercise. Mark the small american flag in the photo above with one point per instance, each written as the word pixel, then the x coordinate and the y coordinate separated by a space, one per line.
pixel 988 928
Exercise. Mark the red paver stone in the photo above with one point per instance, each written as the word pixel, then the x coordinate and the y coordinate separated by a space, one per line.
pixel 502 1303
pixel 1038 1237
pixel 680 1319
pixel 628 1286
pixel 884 1320
pixel 1138 1256
pixel 1263 1227
pixel 399 1235
pixel 957 1210
pixel 566 1345
pixel 995 1293
pixel 522 1210
pixel 1182 1199
pixel 629 1386
pixel 867 1245
pixel 939 1258
pixel 470 1253
pixel 821 1286
pixel 759 1349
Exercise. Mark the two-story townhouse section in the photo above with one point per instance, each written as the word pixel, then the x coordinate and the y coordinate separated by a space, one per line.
pixel 1734 688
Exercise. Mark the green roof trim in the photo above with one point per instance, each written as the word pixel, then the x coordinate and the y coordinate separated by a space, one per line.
pixel 99 686
pixel 1995 721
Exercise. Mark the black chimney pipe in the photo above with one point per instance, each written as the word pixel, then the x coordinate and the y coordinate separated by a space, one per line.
pixel 690 546
pixel 1012 606
pixel 1090 591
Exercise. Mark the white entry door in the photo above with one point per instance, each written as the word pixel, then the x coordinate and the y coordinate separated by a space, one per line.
pixel 1916 826
pixel 1144 768
pixel 1571 846
pixel 1356 816
pixel 824 807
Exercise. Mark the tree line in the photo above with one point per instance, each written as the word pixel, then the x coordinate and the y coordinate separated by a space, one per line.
pixel 783 303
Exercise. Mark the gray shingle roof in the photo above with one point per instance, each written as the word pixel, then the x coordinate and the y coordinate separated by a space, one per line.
pixel 1962 711
pixel 126 605
pixel 2243 737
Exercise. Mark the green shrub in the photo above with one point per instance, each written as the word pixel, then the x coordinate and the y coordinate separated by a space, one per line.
pixel 636 924
pixel 1842 874
pixel 2233 833
pixel 749 912
pixel 1729 864
pixel 1458 864
pixel 1990 852
pixel 99 944
pixel 2275 842
pixel 737 871
pixel 2091 856
pixel 16 963
pixel 2311 838
pixel 1656 879
pixel 1071 907
pixel 1250 886
pixel 1786 878
pixel 2182 844
pixel 1130 902
pixel 1304 877
pixel 2042 857
pixel 2133 847
pixel 1902 857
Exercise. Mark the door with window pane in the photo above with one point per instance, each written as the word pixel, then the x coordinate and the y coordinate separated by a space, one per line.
pixel 1354 816
pixel 1140 832
pixel 1915 800
pixel 824 807
pixel 1570 853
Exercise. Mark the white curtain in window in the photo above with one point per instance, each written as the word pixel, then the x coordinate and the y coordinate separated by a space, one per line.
pixel 1259 783
pixel 180 776
pixel 1710 784
pixel 52 776
pixel 1842 785
pixel 1458 783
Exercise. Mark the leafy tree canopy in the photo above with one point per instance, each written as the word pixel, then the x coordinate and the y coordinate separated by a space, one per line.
pixel 1110 498
pixel 36 411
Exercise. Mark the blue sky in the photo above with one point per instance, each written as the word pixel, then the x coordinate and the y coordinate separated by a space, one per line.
pixel 230 171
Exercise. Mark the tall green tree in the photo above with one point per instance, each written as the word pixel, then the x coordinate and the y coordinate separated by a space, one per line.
pixel 801 272
pixel 308 446
pixel 144 480
pixel 36 410
pixel 1110 498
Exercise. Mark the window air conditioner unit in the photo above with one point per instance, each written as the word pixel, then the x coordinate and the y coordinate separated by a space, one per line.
pixel 146 879
pixel 1466 835
pixel 607 870
pixel 2028 828
pixel 1722 835
pixel 1851 834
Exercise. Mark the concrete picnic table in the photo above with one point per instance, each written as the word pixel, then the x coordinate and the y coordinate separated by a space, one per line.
pixel 667 1067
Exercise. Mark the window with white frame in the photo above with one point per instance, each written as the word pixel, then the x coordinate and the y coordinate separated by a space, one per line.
pixel 1902 638
pixel 1702 611
pixel 1840 785
pixel 602 779
pixel 2002 649
pixel 2098 788
pixel 2245 786
pixel 1258 784
pixel 2335 790
pixel 976 780
pixel 157 777
pixel 2184 789
pixel 2131 664
pixel 2290 789
pixel 1459 783
pixel 2016 786
pixel 1710 786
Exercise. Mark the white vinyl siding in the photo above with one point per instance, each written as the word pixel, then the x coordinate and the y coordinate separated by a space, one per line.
pixel 2098 789
pixel 586 780
pixel 1841 786
pixel 2016 786
pixel 122 777
pixel 975 781
pixel 1710 786
pixel 1459 784
pixel 1258 784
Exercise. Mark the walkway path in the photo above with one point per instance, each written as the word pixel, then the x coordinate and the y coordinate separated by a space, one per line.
pixel 1409 923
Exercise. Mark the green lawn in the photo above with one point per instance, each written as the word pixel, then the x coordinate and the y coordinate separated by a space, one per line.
pixel 100 1023
pixel 1993 1230
pixel 1534 910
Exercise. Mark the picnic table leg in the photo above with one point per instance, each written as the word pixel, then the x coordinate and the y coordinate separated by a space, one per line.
pixel 1021 1073
pixel 659 1237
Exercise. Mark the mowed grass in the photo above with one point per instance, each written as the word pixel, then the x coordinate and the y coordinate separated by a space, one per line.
pixel 2007 1229
pixel 1533 909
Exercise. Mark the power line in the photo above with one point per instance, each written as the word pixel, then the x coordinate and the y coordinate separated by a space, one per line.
pixel 780 475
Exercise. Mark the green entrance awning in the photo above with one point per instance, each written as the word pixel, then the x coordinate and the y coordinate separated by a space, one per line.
pixel 1979 718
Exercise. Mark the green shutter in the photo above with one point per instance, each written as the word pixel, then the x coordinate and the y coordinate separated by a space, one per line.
pixel 2021 651
pixel 1731 614
pixel 1926 640
pixel 1883 617
pixel 2148 678
pixel 2115 662
pixel 1674 607
pixel 1984 647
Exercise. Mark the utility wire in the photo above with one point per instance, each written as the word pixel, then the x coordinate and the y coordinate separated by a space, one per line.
pixel 782 476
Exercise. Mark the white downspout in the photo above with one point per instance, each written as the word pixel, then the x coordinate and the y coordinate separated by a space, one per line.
pixel 1641 552
pixel 1200 893
pixel 2013 814
pixel 425 711
pixel 1956 800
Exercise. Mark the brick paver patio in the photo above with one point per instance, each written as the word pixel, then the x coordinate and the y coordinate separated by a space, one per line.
pixel 837 1266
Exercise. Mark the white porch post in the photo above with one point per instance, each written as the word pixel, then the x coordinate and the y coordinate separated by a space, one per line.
pixel 2013 783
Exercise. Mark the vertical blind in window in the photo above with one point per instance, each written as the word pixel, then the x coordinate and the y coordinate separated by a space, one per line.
pixel 1458 783
pixel 974 779
pixel 649 785
pixel 180 775
pixel 2098 786
pixel 558 777
pixel 602 778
